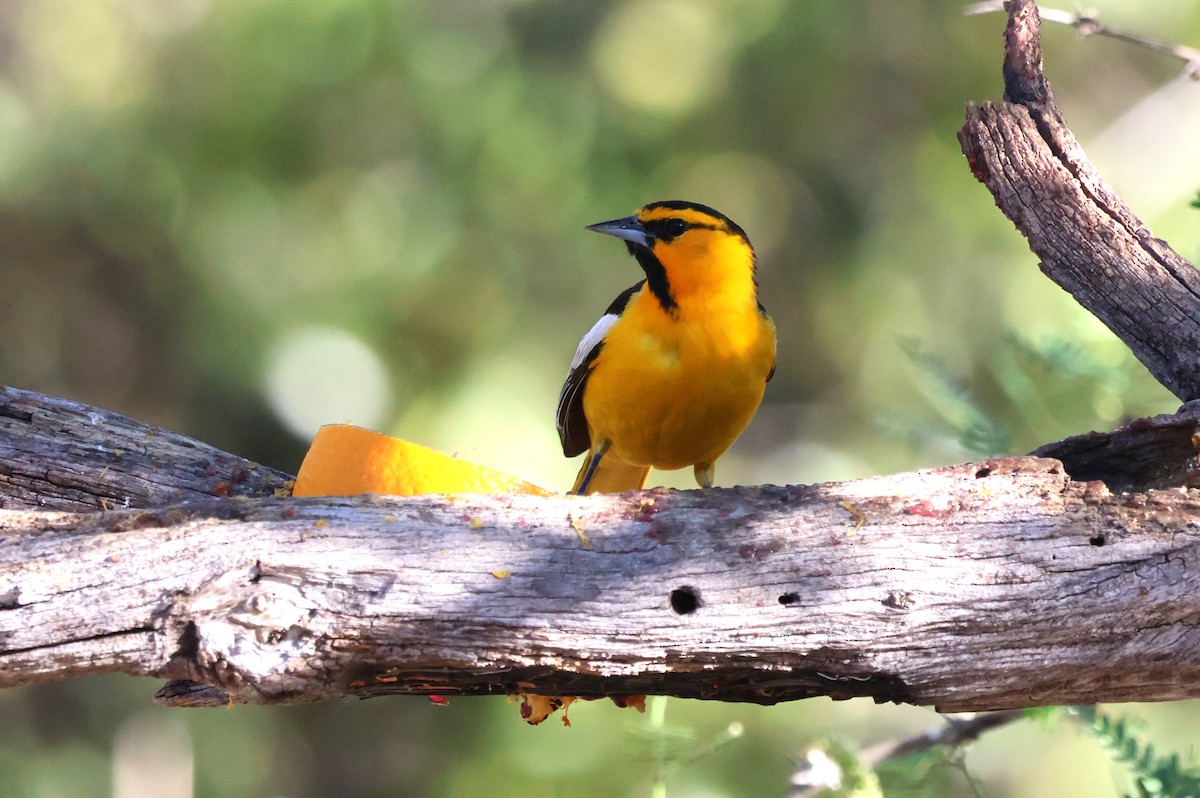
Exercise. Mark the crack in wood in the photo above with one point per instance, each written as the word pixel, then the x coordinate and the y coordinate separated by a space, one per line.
pixel 66 641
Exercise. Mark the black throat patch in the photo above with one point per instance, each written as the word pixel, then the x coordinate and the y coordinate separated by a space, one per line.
pixel 656 276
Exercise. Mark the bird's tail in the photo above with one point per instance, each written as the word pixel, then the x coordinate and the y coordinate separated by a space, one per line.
pixel 612 475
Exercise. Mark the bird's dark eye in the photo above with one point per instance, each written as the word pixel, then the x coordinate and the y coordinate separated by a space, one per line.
pixel 676 227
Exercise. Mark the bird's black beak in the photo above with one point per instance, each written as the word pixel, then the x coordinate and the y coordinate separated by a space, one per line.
pixel 628 229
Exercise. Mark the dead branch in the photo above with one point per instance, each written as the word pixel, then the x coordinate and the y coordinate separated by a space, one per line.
pixel 1088 240
pixel 1088 24
pixel 818 773
pixel 56 454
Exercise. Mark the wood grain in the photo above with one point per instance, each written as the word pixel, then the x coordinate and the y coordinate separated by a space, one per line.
pixel 56 454
pixel 985 586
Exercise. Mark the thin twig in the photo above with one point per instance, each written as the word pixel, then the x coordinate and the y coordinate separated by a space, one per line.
pixel 1088 24
pixel 818 771
pixel 958 730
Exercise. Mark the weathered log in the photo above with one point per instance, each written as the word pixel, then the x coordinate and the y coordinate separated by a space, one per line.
pixel 1146 453
pixel 56 454
pixel 991 585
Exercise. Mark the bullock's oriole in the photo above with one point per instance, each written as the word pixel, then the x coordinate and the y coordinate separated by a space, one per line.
pixel 674 370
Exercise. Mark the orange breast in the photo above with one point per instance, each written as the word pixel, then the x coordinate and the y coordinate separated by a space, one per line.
pixel 673 391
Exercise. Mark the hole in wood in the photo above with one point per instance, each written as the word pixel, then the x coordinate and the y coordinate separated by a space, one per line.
pixel 11 598
pixel 189 643
pixel 898 600
pixel 1097 540
pixel 684 600
pixel 7 411
pixel 788 598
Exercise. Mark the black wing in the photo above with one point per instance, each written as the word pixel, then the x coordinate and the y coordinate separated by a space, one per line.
pixel 763 311
pixel 570 420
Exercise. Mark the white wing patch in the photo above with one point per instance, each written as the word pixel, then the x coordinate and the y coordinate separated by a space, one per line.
pixel 593 338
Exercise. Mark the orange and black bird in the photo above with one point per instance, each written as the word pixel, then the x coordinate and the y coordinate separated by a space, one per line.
pixel 675 368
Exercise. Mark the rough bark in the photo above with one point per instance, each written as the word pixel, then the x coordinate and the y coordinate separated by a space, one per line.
pixel 56 454
pixel 947 587
pixel 985 586
pixel 1146 453
pixel 1089 242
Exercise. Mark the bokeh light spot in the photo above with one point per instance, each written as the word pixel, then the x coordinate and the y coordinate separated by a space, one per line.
pixel 152 758
pixel 325 375
pixel 97 58
pixel 663 56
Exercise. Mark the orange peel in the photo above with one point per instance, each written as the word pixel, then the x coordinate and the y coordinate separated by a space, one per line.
pixel 345 460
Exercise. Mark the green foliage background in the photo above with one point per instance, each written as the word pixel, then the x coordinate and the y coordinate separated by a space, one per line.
pixel 242 218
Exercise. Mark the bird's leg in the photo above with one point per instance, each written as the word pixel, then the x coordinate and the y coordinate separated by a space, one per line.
pixel 705 474
pixel 593 462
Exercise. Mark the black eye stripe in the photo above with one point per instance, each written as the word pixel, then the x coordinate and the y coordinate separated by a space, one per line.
pixel 667 230
pixel 729 226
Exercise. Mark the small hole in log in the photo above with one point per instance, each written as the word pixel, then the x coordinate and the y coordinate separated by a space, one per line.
pixel 189 643
pixel 899 600
pixel 684 600
pixel 788 598
pixel 986 471
pixel 11 598
pixel 1098 540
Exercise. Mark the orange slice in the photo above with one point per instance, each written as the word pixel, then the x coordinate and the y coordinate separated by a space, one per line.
pixel 345 460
